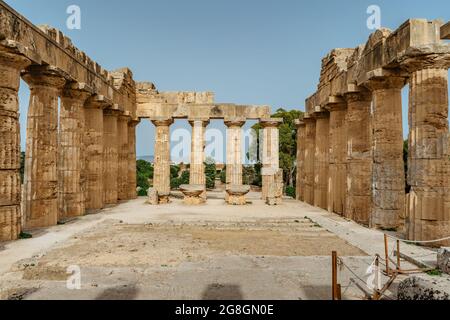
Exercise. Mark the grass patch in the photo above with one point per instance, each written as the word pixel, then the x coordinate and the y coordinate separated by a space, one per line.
pixel 24 235
pixel 434 273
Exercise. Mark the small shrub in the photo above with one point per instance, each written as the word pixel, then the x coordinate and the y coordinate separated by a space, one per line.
pixel 290 191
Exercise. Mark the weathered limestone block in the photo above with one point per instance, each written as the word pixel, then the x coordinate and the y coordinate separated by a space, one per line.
pixel 443 259
pixel 41 177
pixel 193 194
pixel 10 186
pixel 310 150
pixel 269 154
pixel 110 156
pixel 301 144
pixel 94 148
pixel 337 183
pixel 359 156
pixel 420 288
pixel 197 167
pixel 321 161
pixel 152 195
pixel 275 193
pixel 388 167
pixel 161 175
pixel 71 136
pixel 123 152
pixel 428 215
pixel 236 194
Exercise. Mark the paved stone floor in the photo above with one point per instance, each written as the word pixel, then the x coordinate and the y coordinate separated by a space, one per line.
pixel 211 251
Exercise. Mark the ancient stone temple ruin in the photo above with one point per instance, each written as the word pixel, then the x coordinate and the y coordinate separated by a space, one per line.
pixel 82 158
pixel 350 141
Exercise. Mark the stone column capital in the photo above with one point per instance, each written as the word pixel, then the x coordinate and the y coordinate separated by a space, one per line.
pixel 433 56
pixel 203 121
pixel 77 91
pixel 321 114
pixel 13 60
pixel 162 122
pixel 271 122
pixel 358 95
pixel 45 76
pixel 98 102
pixel 234 122
pixel 382 79
pixel 299 123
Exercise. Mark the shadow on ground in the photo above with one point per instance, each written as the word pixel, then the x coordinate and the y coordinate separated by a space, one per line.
pixel 218 291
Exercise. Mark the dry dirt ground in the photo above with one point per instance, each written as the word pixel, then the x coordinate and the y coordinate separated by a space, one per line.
pixel 212 251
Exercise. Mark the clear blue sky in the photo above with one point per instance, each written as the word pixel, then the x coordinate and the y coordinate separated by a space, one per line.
pixel 246 51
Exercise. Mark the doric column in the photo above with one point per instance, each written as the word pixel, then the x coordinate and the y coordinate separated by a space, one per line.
pixel 337 182
pixel 359 156
pixel 161 170
pixel 321 161
pixel 10 186
pixel 111 155
pixel 270 159
pixel 428 209
pixel 94 152
pixel 122 129
pixel 132 194
pixel 71 134
pixel 41 177
pixel 234 152
pixel 388 166
pixel 310 151
pixel 197 167
pixel 301 151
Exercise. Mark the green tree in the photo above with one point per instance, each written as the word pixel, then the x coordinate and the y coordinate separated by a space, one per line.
pixel 22 166
pixel 144 172
pixel 210 172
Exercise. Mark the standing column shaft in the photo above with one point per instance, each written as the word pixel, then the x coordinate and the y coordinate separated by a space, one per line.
pixel 388 165
pixel 270 157
pixel 197 168
pixel 132 194
pixel 41 177
pixel 234 152
pixel 10 186
pixel 71 133
pixel 301 144
pixel 161 172
pixel 122 129
pixel 321 161
pixel 337 185
pixel 310 149
pixel 110 156
pixel 94 152
pixel 359 157
pixel 428 207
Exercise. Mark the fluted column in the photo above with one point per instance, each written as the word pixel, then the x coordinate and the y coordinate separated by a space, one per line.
pixel 270 159
pixel 197 167
pixel 41 177
pixel 161 172
pixel 94 152
pixel 234 152
pixel 359 156
pixel 10 186
pixel 122 129
pixel 132 194
pixel 321 161
pixel 337 182
pixel 310 151
pixel 428 163
pixel 388 166
pixel 110 155
pixel 301 144
pixel 71 134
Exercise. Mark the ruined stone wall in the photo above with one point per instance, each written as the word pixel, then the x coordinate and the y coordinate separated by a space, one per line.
pixel 366 134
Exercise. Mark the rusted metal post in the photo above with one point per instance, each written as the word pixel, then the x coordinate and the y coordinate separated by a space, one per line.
pixel 339 291
pixel 398 254
pixel 386 253
pixel 334 275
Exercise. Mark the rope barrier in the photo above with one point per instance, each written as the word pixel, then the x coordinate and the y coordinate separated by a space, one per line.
pixel 417 241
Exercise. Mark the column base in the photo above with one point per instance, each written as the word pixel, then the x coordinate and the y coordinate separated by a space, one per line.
pixel 193 194
pixel 236 195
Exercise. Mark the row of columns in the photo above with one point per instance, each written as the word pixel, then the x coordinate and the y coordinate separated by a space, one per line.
pixel 161 178
pixel 72 165
pixel 350 157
